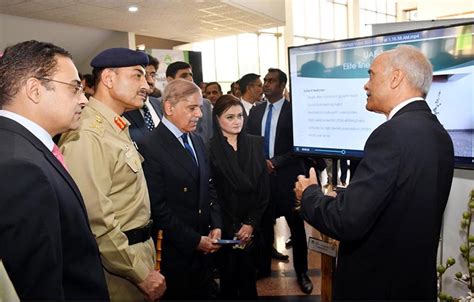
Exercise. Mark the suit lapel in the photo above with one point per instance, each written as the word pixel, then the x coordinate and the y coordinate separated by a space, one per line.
pixel 157 106
pixel 136 118
pixel 281 121
pixel 173 146
pixel 201 156
pixel 259 112
pixel 36 143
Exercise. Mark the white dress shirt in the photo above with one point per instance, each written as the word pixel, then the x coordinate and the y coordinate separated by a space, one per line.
pixel 31 126
pixel 275 115
pixel 154 115
pixel 177 133
pixel 403 104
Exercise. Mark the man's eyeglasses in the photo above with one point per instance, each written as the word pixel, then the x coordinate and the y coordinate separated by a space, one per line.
pixel 153 75
pixel 78 88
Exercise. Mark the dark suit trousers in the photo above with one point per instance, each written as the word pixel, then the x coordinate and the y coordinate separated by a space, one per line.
pixel 343 166
pixel 194 283
pixel 296 225
pixel 237 274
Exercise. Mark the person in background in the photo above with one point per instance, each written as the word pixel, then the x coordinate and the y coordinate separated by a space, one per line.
pixel 273 120
pixel 202 86
pixel 241 178
pixel 107 168
pixel 145 119
pixel 88 84
pixel 251 88
pixel 235 89
pixel 47 248
pixel 388 220
pixel 213 92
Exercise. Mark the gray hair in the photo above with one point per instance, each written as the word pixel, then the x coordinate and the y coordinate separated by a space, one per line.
pixel 178 90
pixel 418 69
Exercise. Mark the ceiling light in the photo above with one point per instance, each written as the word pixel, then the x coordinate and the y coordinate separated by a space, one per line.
pixel 132 9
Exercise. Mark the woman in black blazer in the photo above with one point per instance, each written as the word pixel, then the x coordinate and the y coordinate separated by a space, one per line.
pixel 239 170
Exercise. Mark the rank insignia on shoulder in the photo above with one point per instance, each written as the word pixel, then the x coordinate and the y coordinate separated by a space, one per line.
pixel 97 127
pixel 120 123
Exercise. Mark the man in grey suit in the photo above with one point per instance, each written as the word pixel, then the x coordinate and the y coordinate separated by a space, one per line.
pixel 389 218
pixel 144 120
pixel 182 70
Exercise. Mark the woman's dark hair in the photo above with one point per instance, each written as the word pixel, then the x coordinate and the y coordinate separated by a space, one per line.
pixel 225 102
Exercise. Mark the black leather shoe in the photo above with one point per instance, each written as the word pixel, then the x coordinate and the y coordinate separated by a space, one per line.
pixel 288 243
pixel 279 256
pixel 305 283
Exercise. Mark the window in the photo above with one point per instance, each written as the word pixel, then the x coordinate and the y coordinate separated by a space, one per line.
pixel 227 59
pixel 323 20
pixel 375 11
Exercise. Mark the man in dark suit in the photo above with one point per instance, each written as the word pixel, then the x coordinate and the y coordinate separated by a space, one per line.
pixel 273 121
pixel 144 120
pixel 47 245
pixel 183 201
pixel 389 218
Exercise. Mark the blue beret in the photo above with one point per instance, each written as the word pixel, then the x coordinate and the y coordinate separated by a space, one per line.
pixel 119 57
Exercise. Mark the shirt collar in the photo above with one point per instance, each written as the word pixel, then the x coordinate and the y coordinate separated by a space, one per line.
pixel 31 126
pixel 403 104
pixel 171 127
pixel 278 104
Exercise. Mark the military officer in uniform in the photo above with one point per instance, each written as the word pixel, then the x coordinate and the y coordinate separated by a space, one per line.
pixel 107 168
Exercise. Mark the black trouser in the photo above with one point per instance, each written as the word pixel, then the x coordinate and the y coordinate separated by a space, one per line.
pixel 296 225
pixel 298 236
pixel 237 274
pixel 192 281
pixel 343 164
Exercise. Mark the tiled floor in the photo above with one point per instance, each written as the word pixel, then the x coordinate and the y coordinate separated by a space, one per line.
pixel 282 285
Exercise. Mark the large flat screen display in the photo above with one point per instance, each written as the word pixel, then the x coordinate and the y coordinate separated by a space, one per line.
pixel 328 98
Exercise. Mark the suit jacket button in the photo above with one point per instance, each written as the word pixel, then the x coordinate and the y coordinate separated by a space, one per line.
pixel 185 189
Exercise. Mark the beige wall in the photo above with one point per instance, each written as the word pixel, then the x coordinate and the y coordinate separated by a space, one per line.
pixel 438 9
pixel 83 42
pixel 156 43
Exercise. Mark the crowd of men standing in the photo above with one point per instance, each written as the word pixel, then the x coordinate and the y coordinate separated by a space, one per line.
pixel 80 218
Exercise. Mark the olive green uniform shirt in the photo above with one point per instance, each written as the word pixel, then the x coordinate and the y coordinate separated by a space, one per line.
pixel 107 168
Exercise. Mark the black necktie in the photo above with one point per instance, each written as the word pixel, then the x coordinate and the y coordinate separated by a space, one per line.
pixel 147 117
pixel 184 137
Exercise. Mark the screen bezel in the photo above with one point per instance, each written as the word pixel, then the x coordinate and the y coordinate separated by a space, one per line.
pixel 459 161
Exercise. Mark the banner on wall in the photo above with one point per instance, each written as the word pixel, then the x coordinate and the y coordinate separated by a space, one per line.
pixel 168 56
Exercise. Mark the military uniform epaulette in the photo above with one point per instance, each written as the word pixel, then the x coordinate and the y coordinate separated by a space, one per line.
pixel 96 125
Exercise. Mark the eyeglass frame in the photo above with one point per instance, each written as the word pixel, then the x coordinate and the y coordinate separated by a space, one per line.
pixel 153 75
pixel 78 88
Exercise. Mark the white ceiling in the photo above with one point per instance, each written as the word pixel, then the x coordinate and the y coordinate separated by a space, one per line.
pixel 181 20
